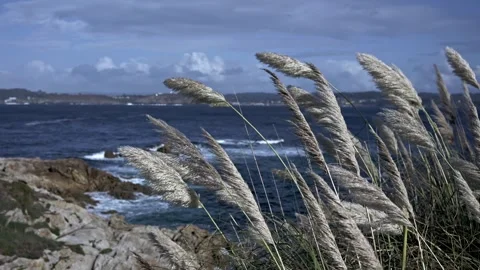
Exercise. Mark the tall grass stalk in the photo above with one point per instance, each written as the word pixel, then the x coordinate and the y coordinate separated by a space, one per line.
pixel 410 205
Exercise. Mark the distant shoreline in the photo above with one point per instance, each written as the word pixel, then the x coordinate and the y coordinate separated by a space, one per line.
pixel 26 97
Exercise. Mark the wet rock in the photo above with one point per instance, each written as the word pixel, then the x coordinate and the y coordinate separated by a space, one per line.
pixel 69 179
pixel 110 154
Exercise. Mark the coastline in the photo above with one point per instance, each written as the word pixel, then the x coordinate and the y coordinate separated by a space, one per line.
pixel 46 209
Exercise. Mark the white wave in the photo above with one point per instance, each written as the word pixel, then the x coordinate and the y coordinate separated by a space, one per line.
pixel 46 122
pixel 267 152
pixel 101 156
pixel 135 180
pixel 271 141
pixel 120 171
pixel 247 142
pixel 156 147
pixel 259 152
pixel 142 204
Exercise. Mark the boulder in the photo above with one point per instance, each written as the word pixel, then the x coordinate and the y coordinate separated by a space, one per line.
pixel 68 178
pixel 41 230
pixel 110 154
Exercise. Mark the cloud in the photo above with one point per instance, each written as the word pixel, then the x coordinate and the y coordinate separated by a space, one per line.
pixel 38 66
pixel 105 63
pixel 198 62
pixel 221 38
pixel 341 19
pixel 131 76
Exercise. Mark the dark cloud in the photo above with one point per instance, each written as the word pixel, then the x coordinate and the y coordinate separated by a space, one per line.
pixel 337 19
pixel 227 33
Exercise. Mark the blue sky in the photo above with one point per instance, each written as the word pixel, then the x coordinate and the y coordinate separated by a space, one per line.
pixel 131 46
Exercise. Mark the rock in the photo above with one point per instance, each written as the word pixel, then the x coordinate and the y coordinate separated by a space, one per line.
pixel 110 154
pixel 207 247
pixel 164 149
pixel 48 232
pixel 68 178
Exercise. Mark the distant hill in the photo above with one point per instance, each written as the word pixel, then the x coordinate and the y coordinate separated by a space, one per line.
pixel 22 96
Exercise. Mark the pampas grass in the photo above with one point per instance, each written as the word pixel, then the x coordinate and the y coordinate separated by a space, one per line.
pixel 392 177
pixel 319 225
pixel 395 86
pixel 368 195
pixel 161 176
pixel 474 122
pixel 445 129
pixel 467 195
pixel 300 124
pixel 345 227
pixel 460 67
pixel 394 208
pixel 195 168
pixel 408 128
pixel 445 98
pixel 236 191
pixel 324 108
pixel 197 90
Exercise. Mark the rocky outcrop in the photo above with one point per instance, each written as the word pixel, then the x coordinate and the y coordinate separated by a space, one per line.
pixel 110 154
pixel 68 178
pixel 41 230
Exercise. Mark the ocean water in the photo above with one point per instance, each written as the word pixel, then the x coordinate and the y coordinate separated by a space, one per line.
pixel 64 131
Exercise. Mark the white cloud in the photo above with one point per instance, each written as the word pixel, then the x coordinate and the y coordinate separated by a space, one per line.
pixel 134 66
pixel 131 66
pixel 105 63
pixel 199 62
pixel 40 67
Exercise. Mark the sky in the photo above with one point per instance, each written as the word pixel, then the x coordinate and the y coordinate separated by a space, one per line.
pixel 132 46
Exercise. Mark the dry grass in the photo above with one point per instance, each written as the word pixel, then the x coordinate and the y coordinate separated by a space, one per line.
pixel 405 207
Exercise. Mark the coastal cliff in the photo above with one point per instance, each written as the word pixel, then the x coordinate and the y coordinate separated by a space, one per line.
pixel 45 223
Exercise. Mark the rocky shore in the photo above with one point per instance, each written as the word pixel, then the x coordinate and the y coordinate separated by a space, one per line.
pixel 44 223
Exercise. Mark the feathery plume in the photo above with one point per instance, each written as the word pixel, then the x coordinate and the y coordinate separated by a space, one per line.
pixel 174 163
pixel 200 171
pixel 335 145
pixel 399 193
pixel 177 256
pixel 345 227
pixel 302 96
pixel 445 98
pixel 474 122
pixel 463 142
pixel 469 171
pixel 407 162
pixel 329 115
pixel 407 127
pixel 445 129
pixel 328 146
pixel 364 158
pixel 286 64
pixel 326 111
pixel 369 220
pixel 300 124
pixel 196 90
pixel 367 194
pixel 460 67
pixel 387 135
pixel 467 195
pixel 319 223
pixel 395 86
pixel 236 191
pixel 161 177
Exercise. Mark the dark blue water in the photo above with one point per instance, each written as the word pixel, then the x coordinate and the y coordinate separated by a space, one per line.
pixel 52 132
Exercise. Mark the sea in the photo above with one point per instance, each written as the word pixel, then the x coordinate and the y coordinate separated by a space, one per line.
pixel 87 131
